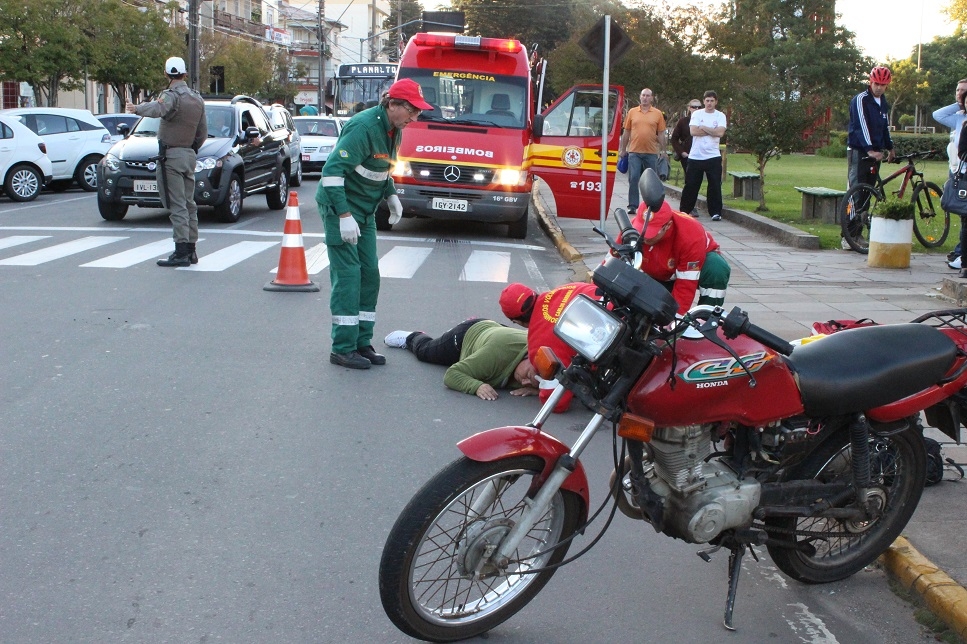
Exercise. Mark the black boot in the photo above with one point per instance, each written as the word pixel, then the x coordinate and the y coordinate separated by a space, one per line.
pixel 194 256
pixel 181 256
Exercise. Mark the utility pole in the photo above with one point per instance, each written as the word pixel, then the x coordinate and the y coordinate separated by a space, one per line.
pixel 193 44
pixel 321 35
pixel 372 43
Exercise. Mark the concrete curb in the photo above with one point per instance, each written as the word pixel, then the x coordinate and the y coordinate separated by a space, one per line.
pixel 941 594
pixel 549 223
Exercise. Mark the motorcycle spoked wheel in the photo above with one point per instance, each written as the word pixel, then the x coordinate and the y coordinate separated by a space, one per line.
pixel 426 579
pixel 898 468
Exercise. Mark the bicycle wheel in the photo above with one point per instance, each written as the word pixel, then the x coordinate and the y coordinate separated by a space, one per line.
pixel 854 215
pixel 930 223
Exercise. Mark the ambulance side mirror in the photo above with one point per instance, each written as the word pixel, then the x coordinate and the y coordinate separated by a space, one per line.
pixel 538 127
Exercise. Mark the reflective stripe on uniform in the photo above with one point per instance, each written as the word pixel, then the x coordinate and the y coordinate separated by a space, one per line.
pixel 712 292
pixel 372 175
pixel 345 320
pixel 332 182
pixel 687 275
pixel 367 316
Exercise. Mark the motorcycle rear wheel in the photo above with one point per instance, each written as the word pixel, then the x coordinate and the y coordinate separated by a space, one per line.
pixel 425 575
pixel 898 468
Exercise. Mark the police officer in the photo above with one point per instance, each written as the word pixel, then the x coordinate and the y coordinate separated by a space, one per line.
pixel 355 178
pixel 182 131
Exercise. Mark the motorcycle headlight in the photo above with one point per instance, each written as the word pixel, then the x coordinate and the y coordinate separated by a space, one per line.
pixel 111 162
pixel 588 328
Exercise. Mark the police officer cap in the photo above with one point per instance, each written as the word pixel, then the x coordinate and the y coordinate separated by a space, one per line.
pixel 175 66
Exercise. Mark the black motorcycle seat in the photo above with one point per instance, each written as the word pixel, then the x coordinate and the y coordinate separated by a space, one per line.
pixel 858 369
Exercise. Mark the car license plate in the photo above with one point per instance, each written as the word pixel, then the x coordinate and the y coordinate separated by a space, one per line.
pixel 305 157
pixel 145 186
pixel 453 205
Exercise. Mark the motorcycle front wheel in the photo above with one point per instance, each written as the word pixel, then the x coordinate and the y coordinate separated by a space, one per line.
pixel 435 581
pixel 837 548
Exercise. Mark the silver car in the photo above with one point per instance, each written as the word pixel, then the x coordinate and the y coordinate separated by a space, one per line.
pixel 280 118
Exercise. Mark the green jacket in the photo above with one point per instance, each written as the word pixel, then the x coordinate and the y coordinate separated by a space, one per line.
pixel 356 177
pixel 490 353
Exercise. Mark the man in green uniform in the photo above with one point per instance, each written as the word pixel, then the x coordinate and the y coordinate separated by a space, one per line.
pixel 481 355
pixel 355 178
pixel 181 133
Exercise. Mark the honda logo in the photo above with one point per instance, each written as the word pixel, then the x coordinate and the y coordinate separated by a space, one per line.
pixel 451 173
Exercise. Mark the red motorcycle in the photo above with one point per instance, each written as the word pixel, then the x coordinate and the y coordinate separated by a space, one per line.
pixel 729 436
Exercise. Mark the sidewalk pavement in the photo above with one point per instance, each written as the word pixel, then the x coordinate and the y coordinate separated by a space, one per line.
pixel 785 283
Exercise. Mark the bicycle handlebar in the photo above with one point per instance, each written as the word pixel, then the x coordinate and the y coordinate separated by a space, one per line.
pixel 923 154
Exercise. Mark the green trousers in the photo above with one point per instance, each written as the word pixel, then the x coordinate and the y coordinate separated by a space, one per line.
pixel 354 275
pixel 713 280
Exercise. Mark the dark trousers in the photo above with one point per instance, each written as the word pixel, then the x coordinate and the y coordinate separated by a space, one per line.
pixel 444 350
pixel 711 170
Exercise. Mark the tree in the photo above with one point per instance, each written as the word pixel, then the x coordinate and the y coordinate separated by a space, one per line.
pixel 768 121
pixel 401 13
pixel 128 46
pixel 41 43
pixel 910 86
pixel 957 10
pixel 946 60
pixel 527 22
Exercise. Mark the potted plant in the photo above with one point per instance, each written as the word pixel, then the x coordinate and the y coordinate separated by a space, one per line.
pixel 891 234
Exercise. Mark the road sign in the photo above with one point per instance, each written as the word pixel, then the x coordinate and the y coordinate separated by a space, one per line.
pixel 593 42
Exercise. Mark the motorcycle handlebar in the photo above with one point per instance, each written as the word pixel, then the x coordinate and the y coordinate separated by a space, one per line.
pixel 737 321
pixel 628 233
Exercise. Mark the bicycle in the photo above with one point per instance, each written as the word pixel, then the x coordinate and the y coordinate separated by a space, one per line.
pixel 931 224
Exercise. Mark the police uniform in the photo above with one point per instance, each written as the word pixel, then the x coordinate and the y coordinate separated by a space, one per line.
pixel 355 178
pixel 181 133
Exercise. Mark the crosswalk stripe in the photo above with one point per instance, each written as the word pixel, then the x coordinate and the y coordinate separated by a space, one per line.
pixel 227 257
pixel 317 259
pixel 403 261
pixel 59 251
pixel 17 240
pixel 134 256
pixel 486 266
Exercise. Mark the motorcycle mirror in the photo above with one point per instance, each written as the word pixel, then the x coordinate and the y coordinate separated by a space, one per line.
pixel 652 190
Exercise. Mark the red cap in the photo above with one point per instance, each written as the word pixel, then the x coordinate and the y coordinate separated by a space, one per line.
pixel 517 300
pixel 409 90
pixel 655 222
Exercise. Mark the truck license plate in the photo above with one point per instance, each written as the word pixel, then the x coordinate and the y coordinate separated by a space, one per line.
pixel 453 205
pixel 145 186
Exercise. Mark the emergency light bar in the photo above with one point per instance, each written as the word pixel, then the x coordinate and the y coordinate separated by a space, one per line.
pixel 505 45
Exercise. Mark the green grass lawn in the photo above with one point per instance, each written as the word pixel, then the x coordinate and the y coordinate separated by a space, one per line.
pixel 784 203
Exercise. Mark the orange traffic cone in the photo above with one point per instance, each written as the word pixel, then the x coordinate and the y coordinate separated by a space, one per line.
pixel 293 274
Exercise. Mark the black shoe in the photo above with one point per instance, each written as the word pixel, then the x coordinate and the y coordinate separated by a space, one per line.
pixel 193 258
pixel 351 360
pixel 370 354
pixel 181 256
pixel 952 255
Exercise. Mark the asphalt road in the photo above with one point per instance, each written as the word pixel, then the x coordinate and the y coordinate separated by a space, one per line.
pixel 180 462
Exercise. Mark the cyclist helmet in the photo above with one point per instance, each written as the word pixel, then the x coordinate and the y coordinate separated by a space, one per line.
pixel 881 76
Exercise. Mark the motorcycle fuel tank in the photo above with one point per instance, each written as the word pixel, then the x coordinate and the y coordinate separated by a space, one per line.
pixel 709 385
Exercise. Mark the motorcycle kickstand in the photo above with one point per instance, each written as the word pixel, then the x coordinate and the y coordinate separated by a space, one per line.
pixel 735 567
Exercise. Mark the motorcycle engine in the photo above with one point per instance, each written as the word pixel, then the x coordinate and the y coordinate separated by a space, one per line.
pixel 701 498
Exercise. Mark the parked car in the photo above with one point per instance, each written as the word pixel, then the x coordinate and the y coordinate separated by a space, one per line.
pixel 24 165
pixel 113 121
pixel 319 134
pixel 243 155
pixel 281 118
pixel 75 140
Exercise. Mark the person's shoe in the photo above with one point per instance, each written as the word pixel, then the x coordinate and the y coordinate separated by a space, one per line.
pixel 844 244
pixel 632 210
pixel 351 360
pixel 952 255
pixel 716 217
pixel 397 339
pixel 369 353
pixel 955 263
pixel 193 258
pixel 181 256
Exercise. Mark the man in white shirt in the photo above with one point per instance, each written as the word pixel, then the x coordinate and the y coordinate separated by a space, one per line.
pixel 704 159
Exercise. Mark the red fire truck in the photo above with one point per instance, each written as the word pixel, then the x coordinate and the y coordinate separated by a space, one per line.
pixel 475 155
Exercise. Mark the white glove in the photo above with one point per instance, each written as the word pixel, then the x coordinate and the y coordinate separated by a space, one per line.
pixel 349 229
pixel 395 209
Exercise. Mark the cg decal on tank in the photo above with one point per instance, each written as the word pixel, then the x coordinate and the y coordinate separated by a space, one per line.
pixel 719 368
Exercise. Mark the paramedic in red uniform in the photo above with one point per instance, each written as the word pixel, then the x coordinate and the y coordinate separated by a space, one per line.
pixel 538 312
pixel 678 252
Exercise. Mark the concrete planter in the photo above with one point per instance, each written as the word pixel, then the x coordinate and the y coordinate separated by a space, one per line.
pixel 891 242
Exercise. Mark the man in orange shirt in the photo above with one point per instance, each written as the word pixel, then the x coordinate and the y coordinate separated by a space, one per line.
pixel 643 142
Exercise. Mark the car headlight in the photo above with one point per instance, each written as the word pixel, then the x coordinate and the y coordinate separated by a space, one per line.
pixel 206 163
pixel 325 149
pixel 111 162
pixel 402 169
pixel 509 177
pixel 588 328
